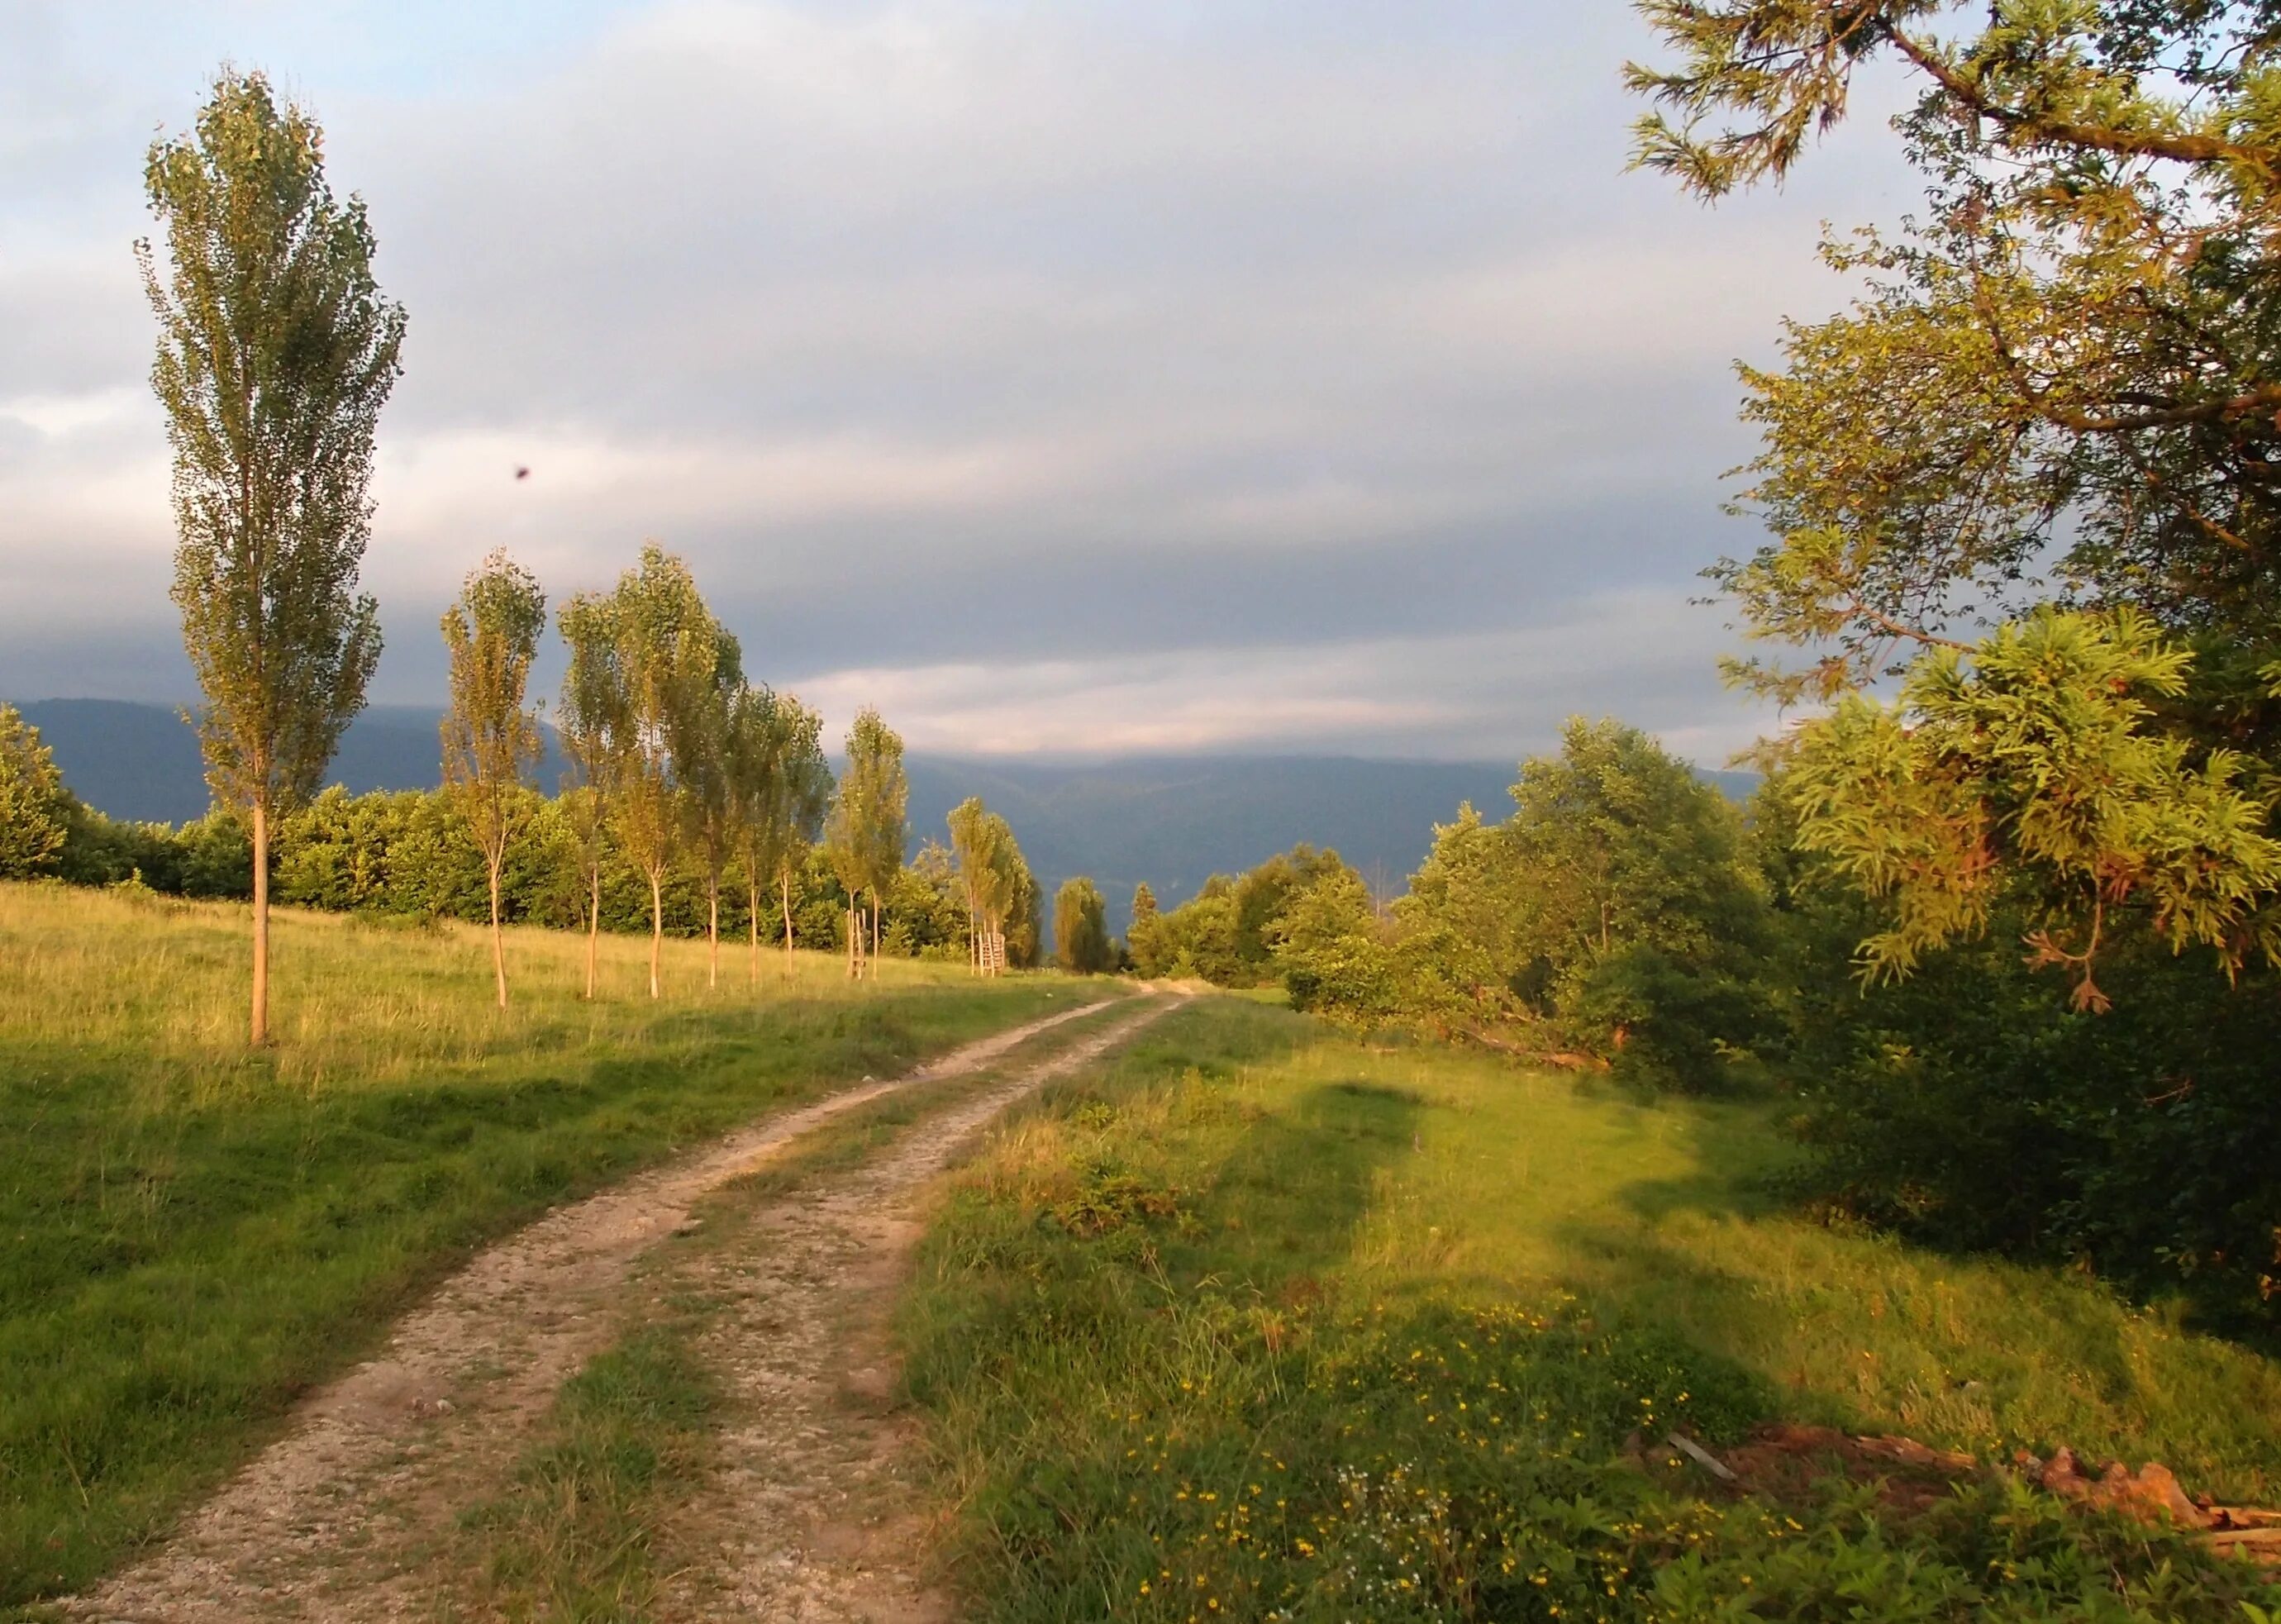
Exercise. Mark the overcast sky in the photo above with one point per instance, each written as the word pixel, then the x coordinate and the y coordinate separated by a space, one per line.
pixel 1059 376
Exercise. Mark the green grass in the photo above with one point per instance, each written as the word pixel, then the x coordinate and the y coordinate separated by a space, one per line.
pixel 196 1235
pixel 573 1538
pixel 1264 1324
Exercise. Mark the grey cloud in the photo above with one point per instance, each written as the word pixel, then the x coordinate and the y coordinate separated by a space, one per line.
pixel 994 333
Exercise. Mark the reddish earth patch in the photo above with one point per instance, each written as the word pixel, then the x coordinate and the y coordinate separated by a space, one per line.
pixel 2153 1495
pixel 1785 1462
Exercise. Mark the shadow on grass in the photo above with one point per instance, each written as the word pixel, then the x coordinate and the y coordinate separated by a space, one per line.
pixel 1870 1334
pixel 1290 1194
pixel 1736 1169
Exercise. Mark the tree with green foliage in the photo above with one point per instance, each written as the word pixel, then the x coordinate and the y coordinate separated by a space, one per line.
pixel 1013 899
pixel 1081 928
pixel 1619 906
pixel 1144 942
pixel 704 742
pixel 668 651
pixel 1468 957
pixel 276 353
pixel 1224 934
pixel 2033 774
pixel 1622 844
pixel 2025 482
pixel 926 908
pixel 843 844
pixel 754 745
pixel 868 829
pixel 490 732
pixel 1260 896
pixel 887 794
pixel 1021 923
pixel 1198 939
pixel 803 796
pixel 1619 909
pixel 1001 895
pixel 783 785
pixel 969 832
pixel 2058 404
pixel 1335 954
pixel 35 810
pixel 593 728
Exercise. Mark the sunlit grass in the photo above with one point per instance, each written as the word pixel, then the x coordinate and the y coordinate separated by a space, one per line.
pixel 1523 1184
pixel 356 1001
pixel 196 1233
pixel 1267 1324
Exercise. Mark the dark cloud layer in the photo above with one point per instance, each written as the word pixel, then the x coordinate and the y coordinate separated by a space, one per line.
pixel 1179 376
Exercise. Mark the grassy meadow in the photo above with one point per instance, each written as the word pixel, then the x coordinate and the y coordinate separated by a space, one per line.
pixel 1264 1324
pixel 196 1234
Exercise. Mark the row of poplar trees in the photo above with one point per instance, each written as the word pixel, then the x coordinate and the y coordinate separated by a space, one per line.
pixel 276 353
pixel 671 751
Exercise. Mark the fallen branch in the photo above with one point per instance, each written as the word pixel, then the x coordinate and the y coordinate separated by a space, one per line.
pixel 1701 1457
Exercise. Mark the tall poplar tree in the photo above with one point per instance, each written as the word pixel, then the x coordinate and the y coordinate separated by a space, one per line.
pixel 669 647
pixel 843 844
pixel 783 787
pixel 703 743
pixel 1021 924
pixel 592 727
pixel 752 759
pixel 886 807
pixel 969 842
pixel 1082 927
pixel 996 878
pixel 805 786
pixel 276 352
pixel 490 733
pixel 869 832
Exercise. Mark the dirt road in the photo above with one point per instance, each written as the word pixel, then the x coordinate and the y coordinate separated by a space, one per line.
pixel 346 1516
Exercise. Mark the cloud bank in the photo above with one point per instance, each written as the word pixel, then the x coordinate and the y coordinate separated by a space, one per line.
pixel 1061 378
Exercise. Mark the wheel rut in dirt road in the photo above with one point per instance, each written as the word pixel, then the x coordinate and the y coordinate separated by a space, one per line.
pixel 331 1522
pixel 811 1515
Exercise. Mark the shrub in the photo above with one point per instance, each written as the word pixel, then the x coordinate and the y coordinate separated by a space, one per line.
pixel 33 809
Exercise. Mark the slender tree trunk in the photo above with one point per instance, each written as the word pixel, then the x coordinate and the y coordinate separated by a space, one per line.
pixel 855 939
pixel 783 882
pixel 260 1020
pixel 593 925
pixel 713 935
pixel 753 915
pixel 875 933
pixel 499 937
pixel 656 926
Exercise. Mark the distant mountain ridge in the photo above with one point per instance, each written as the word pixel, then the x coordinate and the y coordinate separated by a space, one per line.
pixel 1171 821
